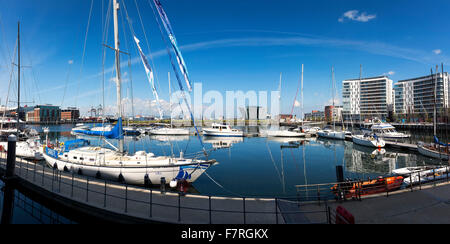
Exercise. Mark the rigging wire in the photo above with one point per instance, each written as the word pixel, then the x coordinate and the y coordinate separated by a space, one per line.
pixel 84 50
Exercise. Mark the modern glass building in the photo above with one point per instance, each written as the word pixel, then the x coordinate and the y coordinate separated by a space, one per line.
pixel 367 98
pixel 415 96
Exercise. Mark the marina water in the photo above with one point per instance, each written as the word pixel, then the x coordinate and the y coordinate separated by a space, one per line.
pixel 267 167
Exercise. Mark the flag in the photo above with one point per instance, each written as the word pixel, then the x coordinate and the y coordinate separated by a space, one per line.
pixel 173 41
pixel 149 72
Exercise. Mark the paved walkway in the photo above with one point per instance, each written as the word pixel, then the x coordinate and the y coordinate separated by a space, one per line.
pixel 141 204
pixel 431 205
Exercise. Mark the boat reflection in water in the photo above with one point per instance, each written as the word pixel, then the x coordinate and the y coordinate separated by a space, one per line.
pixel 218 142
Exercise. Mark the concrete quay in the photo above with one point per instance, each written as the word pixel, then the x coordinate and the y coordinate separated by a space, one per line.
pixel 428 205
pixel 117 203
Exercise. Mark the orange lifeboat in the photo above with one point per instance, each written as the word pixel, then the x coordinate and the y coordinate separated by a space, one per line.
pixel 355 189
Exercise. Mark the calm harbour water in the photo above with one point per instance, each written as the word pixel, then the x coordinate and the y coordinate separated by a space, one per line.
pixel 260 167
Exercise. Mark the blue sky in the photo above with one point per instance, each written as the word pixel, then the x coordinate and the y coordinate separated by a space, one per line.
pixel 227 45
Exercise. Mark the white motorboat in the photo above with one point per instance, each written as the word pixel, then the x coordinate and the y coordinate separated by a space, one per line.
pixel 386 131
pixel 290 132
pixel 168 131
pixel 222 130
pixel 369 140
pixel 427 175
pixel 25 149
pixel 409 170
pixel 331 134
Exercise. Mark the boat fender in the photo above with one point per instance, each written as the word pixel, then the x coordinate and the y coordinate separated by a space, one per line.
pixel 55 166
pixel 80 172
pixel 147 181
pixel 1 148
pixel 173 183
pixel 98 175
pixel 121 178
pixel 66 169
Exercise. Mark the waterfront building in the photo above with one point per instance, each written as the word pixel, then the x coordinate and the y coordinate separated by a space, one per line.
pixel 70 114
pixel 367 98
pixel 44 113
pixel 333 113
pixel 315 115
pixel 415 97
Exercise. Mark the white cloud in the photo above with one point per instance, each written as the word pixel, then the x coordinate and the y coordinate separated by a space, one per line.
pixel 437 51
pixel 356 16
pixel 297 104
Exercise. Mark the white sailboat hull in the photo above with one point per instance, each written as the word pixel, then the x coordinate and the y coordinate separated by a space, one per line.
pixel 169 131
pixel 25 150
pixel 131 174
pixel 284 133
pixel 368 142
pixel 332 135
pixel 432 153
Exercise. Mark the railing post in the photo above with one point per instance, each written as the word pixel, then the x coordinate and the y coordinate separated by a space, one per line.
pixel 43 171
pixel 151 202
pixel 411 181
pixel 104 197
pixel 210 219
pixel 126 198
pixel 71 193
pixel 243 202
pixel 179 207
pixel 34 173
pixel 276 210
pixel 87 189
pixel 318 194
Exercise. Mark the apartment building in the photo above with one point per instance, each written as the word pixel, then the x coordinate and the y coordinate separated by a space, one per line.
pixel 367 98
pixel 415 96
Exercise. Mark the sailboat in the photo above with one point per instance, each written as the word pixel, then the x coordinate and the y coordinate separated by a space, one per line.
pixel 438 150
pixel 290 132
pixel 138 168
pixel 331 133
pixel 166 130
pixel 31 147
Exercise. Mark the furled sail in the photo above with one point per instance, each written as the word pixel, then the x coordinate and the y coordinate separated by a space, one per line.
pixel 115 133
pixel 173 41
pixel 150 77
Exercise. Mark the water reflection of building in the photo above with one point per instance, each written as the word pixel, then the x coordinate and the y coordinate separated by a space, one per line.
pixel 365 160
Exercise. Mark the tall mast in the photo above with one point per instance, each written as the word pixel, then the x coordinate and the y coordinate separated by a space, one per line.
pixel 279 99
pixel 118 78
pixel 303 114
pixel 170 101
pixel 18 78
pixel 332 80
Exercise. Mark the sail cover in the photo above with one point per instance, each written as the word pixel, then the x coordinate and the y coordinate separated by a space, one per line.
pixel 115 133
pixel 173 41
pixel 150 77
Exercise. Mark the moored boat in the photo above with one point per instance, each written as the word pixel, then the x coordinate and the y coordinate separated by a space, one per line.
pixel 354 189
pixel 368 140
pixel 427 175
pixel 222 130
pixel 435 150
